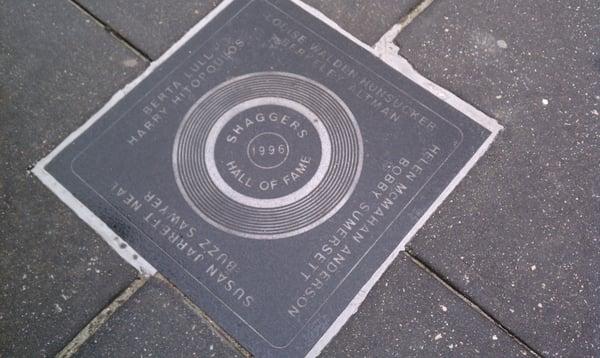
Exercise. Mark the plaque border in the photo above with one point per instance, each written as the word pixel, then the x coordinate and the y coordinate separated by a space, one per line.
pixel 363 254
pixel 385 50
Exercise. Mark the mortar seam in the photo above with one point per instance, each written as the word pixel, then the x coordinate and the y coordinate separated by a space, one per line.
pixel 387 44
pixel 469 301
pixel 112 31
pixel 100 319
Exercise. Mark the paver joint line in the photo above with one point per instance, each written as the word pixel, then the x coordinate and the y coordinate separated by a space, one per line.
pixel 386 44
pixel 95 324
pixel 469 302
pixel 112 31
pixel 210 322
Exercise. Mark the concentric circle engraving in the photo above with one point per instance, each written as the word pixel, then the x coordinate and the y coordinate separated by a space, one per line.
pixel 305 166
pixel 268 155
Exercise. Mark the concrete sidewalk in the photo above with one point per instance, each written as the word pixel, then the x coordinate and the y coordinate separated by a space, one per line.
pixel 508 266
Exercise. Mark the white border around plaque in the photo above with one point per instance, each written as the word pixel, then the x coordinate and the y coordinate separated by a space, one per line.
pixel 387 53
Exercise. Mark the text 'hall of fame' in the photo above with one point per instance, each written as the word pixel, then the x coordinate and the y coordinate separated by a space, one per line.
pixel 268 166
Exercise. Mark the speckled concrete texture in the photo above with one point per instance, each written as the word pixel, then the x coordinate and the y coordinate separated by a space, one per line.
pixel 521 234
pixel 157 322
pixel 56 68
pixel 412 314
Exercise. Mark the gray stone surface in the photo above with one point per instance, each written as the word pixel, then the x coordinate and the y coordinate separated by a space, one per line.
pixel 154 25
pixel 150 25
pixel 521 234
pixel 56 68
pixel 156 322
pixel 411 314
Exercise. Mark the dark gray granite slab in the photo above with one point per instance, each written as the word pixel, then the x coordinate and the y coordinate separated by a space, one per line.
pixel 521 235
pixel 153 26
pixel 157 322
pixel 411 314
pixel 268 168
pixel 56 68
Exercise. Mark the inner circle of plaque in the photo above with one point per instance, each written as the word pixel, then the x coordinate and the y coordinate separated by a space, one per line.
pixel 268 150
pixel 310 155
pixel 201 156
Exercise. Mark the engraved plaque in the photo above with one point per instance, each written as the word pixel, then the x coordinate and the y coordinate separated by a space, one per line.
pixel 269 166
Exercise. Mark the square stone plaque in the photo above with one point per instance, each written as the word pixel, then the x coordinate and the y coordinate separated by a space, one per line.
pixel 271 167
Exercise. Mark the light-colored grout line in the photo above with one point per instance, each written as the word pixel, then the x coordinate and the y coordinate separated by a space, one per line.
pixel 470 303
pixel 209 321
pixel 93 326
pixel 386 44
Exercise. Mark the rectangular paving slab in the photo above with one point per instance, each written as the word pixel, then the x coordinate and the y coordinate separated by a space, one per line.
pixel 411 314
pixel 270 168
pixel 521 237
pixel 57 67
pixel 154 25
